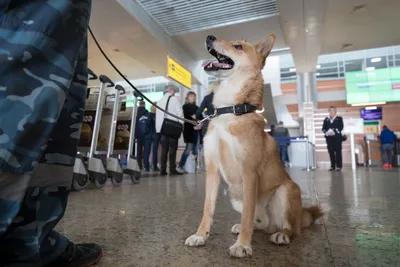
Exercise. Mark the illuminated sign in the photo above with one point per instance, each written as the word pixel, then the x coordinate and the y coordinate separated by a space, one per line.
pixel 179 73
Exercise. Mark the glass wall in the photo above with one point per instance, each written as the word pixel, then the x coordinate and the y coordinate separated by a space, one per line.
pixel 329 67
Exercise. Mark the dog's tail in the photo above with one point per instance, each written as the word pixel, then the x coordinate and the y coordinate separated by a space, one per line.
pixel 310 215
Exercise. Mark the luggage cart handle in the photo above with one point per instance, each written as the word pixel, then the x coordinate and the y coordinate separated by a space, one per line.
pixel 104 79
pixel 120 88
pixel 91 74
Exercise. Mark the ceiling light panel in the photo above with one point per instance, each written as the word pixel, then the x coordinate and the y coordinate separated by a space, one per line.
pixel 186 16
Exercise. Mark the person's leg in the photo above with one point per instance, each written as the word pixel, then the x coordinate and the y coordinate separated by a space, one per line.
pixel 164 153
pixel 384 155
pixel 185 154
pixel 338 152
pixel 390 154
pixel 140 145
pixel 147 149
pixel 331 150
pixel 282 149
pixel 46 107
pixel 173 147
pixel 155 141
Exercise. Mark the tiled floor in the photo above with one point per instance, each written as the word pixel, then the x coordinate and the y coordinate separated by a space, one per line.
pixel 147 224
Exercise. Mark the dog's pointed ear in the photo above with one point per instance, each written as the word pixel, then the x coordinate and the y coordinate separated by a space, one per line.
pixel 265 46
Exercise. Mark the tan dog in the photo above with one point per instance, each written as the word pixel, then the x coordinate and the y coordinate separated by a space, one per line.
pixel 238 149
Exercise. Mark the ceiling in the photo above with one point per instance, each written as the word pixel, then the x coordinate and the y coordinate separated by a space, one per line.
pixel 130 67
pixel 183 16
pixel 308 27
pixel 375 25
pixel 252 31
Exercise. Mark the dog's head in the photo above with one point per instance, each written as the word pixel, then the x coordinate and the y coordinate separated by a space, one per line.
pixel 236 56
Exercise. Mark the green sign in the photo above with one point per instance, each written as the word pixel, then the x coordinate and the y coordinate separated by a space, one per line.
pixel 153 96
pixel 381 85
pixel 371 122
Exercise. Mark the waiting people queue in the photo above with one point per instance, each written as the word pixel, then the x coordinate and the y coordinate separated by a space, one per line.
pixel 156 127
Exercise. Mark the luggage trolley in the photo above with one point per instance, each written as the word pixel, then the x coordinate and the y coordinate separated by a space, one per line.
pixel 80 178
pixel 97 171
pixel 132 167
pixel 113 166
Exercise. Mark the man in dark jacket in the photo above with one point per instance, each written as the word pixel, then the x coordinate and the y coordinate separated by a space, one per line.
pixel 140 138
pixel 332 128
pixel 387 139
pixel 205 104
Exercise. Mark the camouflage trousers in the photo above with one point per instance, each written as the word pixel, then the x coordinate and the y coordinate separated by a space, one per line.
pixel 43 80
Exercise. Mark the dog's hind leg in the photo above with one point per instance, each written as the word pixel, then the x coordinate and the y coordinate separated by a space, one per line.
pixel 285 212
pixel 212 186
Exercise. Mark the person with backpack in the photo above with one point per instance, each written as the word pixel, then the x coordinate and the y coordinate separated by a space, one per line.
pixel 190 134
pixel 152 139
pixel 140 131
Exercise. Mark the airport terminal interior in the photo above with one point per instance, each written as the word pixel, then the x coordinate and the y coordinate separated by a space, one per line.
pixel 331 92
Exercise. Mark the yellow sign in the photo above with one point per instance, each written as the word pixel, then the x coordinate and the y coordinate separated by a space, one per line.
pixel 179 73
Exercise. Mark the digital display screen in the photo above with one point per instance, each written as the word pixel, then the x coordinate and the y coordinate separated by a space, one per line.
pixel 371 115
pixel 380 85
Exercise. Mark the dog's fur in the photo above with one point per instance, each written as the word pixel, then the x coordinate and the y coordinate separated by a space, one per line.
pixel 238 149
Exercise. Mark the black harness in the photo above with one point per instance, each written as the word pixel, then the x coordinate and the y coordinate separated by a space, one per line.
pixel 236 110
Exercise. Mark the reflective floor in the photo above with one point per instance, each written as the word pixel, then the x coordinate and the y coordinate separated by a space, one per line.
pixel 147 224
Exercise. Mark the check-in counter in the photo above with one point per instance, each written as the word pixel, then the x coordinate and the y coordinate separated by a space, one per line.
pixel 373 152
pixel 374 155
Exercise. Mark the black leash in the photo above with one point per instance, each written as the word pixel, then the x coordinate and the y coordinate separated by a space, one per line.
pixel 134 88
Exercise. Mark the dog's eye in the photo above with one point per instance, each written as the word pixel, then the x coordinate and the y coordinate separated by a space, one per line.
pixel 238 47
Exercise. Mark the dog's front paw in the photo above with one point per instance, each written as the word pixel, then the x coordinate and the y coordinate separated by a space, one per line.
pixel 195 241
pixel 240 251
pixel 236 229
pixel 280 239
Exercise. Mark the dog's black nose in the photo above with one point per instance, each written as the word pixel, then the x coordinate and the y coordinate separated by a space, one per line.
pixel 211 38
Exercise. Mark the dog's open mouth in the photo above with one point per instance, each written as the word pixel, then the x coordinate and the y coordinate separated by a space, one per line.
pixel 224 62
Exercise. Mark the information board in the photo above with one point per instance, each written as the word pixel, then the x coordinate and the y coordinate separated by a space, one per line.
pixel 179 73
pixel 380 85
pixel 353 126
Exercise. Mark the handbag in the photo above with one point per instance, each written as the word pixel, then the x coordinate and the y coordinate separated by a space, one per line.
pixel 171 128
pixel 344 138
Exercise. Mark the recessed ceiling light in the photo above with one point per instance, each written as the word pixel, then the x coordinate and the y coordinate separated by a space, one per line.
pixel 376 59
pixel 370 68
pixel 369 104
pixel 318 66
pixel 292 69
pixel 318 74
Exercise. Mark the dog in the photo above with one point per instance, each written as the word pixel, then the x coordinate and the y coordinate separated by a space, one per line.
pixel 238 149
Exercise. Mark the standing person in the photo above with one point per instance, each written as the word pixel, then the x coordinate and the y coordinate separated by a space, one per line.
pixel 43 80
pixel 169 145
pixel 190 135
pixel 207 107
pixel 151 142
pixel 332 128
pixel 142 114
pixel 387 139
pixel 281 135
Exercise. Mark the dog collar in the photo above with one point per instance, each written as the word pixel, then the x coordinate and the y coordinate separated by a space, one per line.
pixel 236 110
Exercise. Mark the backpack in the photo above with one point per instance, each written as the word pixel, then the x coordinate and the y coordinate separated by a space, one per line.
pixel 144 124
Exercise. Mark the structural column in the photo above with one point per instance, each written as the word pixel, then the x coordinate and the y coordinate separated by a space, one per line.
pixel 307 102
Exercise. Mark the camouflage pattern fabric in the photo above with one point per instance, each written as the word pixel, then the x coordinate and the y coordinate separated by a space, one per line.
pixel 43 79
pixel 30 240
